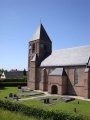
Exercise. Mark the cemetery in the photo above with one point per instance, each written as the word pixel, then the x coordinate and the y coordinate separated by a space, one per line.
pixel 46 102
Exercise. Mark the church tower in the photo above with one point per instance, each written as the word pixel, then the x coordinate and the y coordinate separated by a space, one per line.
pixel 40 47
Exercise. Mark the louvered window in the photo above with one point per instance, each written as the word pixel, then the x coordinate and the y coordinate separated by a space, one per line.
pixel 75 76
pixel 33 48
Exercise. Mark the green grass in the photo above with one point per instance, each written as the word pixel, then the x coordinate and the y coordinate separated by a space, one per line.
pixel 6 90
pixel 7 115
pixel 82 108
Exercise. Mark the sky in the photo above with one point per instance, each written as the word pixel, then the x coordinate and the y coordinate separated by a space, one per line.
pixel 67 23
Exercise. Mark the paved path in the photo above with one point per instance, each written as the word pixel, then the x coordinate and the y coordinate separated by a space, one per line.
pixel 34 97
pixel 78 97
pixel 47 95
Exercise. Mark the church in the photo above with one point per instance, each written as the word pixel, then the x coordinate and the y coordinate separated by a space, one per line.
pixel 62 72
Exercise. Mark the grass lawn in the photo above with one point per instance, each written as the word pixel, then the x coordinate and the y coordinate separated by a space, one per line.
pixel 7 115
pixel 83 107
pixel 6 90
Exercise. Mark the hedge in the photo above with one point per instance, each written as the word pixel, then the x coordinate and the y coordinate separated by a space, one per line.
pixel 12 84
pixel 38 112
pixel 14 80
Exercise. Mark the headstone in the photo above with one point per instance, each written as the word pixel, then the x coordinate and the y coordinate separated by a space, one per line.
pixel 11 95
pixel 47 100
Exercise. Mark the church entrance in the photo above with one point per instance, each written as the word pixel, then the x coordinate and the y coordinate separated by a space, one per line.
pixel 54 89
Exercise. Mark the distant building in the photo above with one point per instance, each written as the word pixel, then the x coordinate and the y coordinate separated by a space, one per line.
pixel 3 76
pixel 64 72
pixel 12 74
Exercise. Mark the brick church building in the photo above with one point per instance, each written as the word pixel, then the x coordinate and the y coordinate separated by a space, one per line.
pixel 64 72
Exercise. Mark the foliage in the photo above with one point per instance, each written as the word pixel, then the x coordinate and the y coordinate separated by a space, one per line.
pixel 24 72
pixel 38 112
pixel 8 115
pixel 82 108
pixel 5 91
pixel 12 84
pixel 2 70
pixel 13 80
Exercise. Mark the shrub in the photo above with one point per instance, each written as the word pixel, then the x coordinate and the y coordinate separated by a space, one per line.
pixel 14 80
pixel 39 113
pixel 12 84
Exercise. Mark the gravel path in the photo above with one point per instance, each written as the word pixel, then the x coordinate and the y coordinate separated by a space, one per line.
pixel 47 95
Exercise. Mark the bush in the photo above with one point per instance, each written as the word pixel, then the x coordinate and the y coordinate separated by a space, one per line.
pixel 39 113
pixel 14 80
pixel 12 84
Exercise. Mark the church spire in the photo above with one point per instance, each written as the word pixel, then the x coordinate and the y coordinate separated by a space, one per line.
pixel 40 34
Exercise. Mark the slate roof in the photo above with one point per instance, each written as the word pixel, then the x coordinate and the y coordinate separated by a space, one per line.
pixel 14 74
pixel 40 34
pixel 57 71
pixel 68 57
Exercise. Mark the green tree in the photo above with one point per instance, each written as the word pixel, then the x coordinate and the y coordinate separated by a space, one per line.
pixel 24 72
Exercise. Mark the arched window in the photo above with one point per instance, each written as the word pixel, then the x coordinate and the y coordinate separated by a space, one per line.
pixel 54 89
pixel 75 76
pixel 33 47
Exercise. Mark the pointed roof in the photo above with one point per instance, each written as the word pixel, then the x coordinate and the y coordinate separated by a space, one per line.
pixel 40 34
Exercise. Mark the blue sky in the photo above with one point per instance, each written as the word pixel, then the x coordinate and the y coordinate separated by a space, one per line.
pixel 67 22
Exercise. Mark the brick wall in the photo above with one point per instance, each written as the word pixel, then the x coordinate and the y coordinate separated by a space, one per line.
pixel 81 88
pixel 64 84
pixel 89 84
pixel 59 81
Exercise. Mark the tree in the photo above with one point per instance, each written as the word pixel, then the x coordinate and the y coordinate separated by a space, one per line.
pixel 24 72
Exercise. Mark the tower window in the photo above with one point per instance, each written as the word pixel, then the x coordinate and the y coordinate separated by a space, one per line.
pixel 33 48
pixel 75 76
